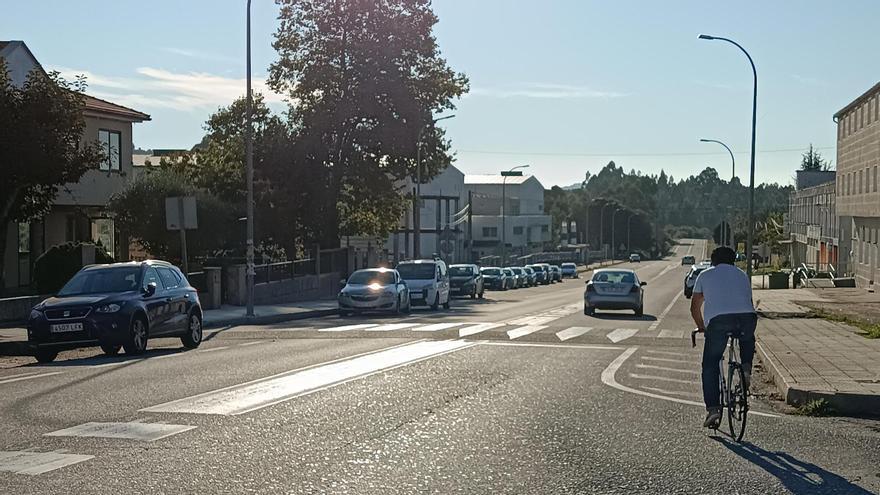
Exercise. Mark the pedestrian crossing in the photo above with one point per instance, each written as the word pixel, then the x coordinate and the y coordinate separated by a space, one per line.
pixel 531 327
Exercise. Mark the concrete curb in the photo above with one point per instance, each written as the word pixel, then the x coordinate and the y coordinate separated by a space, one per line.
pixel 795 394
pixel 270 319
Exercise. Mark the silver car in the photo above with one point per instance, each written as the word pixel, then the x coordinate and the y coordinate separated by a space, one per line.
pixel 614 289
pixel 374 289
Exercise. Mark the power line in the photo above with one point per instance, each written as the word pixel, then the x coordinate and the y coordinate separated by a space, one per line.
pixel 550 153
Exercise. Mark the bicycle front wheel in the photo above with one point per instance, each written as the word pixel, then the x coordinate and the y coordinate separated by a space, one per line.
pixel 737 402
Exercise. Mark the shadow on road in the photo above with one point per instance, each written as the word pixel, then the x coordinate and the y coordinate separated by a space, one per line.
pixel 623 316
pixel 799 477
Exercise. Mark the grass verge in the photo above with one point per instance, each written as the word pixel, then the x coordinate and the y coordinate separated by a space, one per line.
pixel 866 328
pixel 815 408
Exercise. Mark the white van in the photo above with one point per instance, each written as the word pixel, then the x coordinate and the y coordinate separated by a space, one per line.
pixel 427 281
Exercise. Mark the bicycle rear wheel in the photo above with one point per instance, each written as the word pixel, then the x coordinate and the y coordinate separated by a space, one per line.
pixel 737 402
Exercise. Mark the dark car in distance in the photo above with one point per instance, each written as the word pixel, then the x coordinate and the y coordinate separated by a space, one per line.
pixel 494 278
pixel 119 305
pixel 466 280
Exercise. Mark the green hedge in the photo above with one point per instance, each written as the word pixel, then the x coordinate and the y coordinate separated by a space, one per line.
pixel 59 263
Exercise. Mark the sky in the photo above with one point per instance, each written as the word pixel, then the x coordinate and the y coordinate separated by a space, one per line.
pixel 564 86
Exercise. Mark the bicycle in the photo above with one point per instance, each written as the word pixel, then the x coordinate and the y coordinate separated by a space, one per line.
pixel 734 396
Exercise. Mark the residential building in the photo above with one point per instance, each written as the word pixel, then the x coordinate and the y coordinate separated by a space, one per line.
pixel 811 223
pixel 858 197
pixel 79 211
pixel 525 222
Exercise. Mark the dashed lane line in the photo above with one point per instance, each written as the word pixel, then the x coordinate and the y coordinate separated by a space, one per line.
pixel 663 368
pixel 439 326
pixel 34 463
pixel 672 392
pixel 478 328
pixel 524 330
pixel 346 328
pixel 671 334
pixel 661 378
pixel 663 360
pixel 665 311
pixel 391 327
pixel 570 333
pixel 620 334
pixel 29 376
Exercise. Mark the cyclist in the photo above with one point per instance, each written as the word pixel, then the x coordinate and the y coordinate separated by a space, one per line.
pixel 727 293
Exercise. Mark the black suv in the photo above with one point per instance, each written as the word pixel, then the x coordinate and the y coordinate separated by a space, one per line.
pixel 119 305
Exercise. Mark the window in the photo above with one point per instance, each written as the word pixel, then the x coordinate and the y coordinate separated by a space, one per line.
pixel 152 277
pixel 861 182
pixel 875 179
pixel 103 232
pixel 169 278
pixel 110 143
pixel 24 238
pixel 517 231
pixel 490 231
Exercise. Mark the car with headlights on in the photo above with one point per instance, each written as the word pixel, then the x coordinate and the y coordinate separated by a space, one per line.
pixel 569 270
pixel 466 280
pixel 374 289
pixel 117 306
pixel 494 278
pixel 613 288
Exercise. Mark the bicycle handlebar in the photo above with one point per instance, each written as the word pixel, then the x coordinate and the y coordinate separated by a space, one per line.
pixel 694 336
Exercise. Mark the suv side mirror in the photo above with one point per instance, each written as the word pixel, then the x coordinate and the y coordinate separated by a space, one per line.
pixel 342 283
pixel 150 289
pixel 643 284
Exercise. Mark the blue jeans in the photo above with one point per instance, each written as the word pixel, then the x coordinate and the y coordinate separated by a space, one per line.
pixel 741 325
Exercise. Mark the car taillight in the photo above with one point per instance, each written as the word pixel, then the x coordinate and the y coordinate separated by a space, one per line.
pixel 635 288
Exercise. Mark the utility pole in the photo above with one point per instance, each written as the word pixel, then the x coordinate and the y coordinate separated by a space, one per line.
pixel 249 159
pixel 470 220
pixel 417 212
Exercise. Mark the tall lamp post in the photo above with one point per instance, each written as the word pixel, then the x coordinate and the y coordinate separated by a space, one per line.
pixel 751 230
pixel 249 160
pixel 628 221
pixel 602 230
pixel 724 238
pixel 613 215
pixel 417 210
pixel 509 173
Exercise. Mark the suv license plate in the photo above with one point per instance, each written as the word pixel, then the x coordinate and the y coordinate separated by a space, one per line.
pixel 66 327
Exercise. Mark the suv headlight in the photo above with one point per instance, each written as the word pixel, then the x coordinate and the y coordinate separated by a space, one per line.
pixel 35 314
pixel 108 308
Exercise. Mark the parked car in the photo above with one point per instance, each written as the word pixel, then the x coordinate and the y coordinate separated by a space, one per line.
pixel 374 289
pixel 540 274
pixel 466 280
pixel 531 276
pixel 116 306
pixel 688 260
pixel 520 276
pixel 548 276
pixel 569 270
pixel 555 273
pixel 635 258
pixel 427 281
pixel 691 278
pixel 510 278
pixel 614 289
pixel 494 278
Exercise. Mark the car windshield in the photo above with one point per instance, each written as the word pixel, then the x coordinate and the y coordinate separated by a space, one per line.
pixel 491 271
pixel 615 277
pixel 507 271
pixel 528 270
pixel 416 271
pixel 369 277
pixel 568 265
pixel 103 280
pixel 696 272
pixel 517 271
pixel 460 271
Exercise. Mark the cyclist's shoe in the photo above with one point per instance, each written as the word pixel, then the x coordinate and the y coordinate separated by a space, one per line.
pixel 713 418
pixel 747 378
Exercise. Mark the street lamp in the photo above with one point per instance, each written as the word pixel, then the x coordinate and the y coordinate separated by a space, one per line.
pixel 613 215
pixel 732 160
pixel 504 176
pixel 249 160
pixel 602 230
pixel 628 221
pixel 417 211
pixel 751 231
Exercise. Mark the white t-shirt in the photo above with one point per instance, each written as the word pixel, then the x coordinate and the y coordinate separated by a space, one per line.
pixel 726 290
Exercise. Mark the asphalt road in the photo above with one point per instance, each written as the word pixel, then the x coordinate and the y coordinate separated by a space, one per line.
pixel 518 393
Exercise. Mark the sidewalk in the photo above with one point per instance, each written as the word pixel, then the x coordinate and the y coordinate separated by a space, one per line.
pixel 811 358
pixel 13 341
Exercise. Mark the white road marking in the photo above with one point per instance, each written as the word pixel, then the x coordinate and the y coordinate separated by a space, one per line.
pixel 28 376
pixel 570 333
pixel 608 378
pixel 561 346
pixel 251 343
pixel 673 392
pixel 668 353
pixel 475 329
pixel 346 328
pixel 663 368
pixel 145 432
pixel 671 334
pixel 662 379
pixel 622 334
pixel 523 331
pixel 439 326
pixel 33 463
pixel 534 320
pixel 247 397
pixel 665 311
pixel 664 360
pixel 392 326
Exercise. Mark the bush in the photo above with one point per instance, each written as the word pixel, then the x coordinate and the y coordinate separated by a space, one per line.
pixel 55 267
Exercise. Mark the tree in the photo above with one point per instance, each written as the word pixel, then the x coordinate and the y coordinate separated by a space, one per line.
pixel 41 145
pixel 813 161
pixel 364 80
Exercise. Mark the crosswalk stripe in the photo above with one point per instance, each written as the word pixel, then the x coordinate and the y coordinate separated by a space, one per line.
pixel 661 378
pixel 533 320
pixel 522 331
pixel 663 360
pixel 570 333
pixel 663 368
pixel 392 326
pixel 691 395
pixel 346 328
pixel 28 376
pixel 671 334
pixel 439 326
pixel 622 334
pixel 475 329
pixel 668 353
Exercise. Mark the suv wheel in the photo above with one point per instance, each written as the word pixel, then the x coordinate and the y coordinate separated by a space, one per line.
pixel 446 304
pixel 45 355
pixel 193 336
pixel 436 303
pixel 137 337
